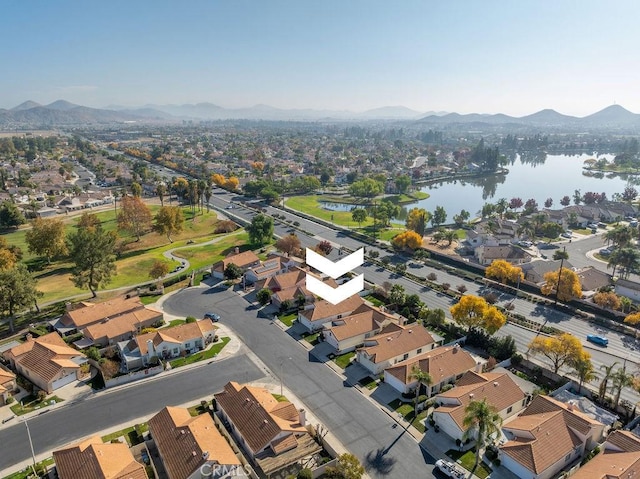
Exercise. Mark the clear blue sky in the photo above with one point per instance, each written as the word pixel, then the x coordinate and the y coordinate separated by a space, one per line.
pixel 488 56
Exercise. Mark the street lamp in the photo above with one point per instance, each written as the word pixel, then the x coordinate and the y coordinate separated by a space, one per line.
pixel 282 360
pixel 33 455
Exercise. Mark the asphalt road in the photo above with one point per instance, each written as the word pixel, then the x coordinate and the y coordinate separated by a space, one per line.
pixel 363 428
pixel 621 347
pixel 124 405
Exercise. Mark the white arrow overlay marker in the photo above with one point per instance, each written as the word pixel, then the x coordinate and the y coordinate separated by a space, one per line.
pixel 335 295
pixel 337 269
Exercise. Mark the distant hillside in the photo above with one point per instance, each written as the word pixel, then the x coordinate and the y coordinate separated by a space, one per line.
pixel 62 113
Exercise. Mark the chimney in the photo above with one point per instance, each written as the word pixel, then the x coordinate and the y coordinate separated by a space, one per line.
pixel 150 349
pixel 456 347
pixel 478 367
pixel 237 250
pixel 29 337
pixel 68 306
pixel 570 406
pixel 302 415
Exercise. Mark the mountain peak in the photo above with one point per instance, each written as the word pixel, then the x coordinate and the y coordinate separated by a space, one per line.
pixel 62 105
pixel 27 105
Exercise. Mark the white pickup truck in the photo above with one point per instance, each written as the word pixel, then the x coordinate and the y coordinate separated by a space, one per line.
pixel 450 469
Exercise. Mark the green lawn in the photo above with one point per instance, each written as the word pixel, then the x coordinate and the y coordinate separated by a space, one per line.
pixel 288 318
pixel 132 434
pixel 403 408
pixel 197 410
pixel 136 257
pixel 467 460
pixel 175 322
pixel 28 472
pixel 202 355
pixel 373 300
pixel 31 403
pixel 368 382
pixel 312 338
pixel 344 359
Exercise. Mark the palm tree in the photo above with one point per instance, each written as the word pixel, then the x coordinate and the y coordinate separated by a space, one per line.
pixel 501 206
pixel 481 421
pixel 628 259
pixel 608 371
pixel 422 377
pixel 450 236
pixel 620 379
pixel 584 369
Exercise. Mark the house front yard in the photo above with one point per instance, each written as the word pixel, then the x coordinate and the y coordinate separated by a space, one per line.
pixel 31 403
pixel 344 359
pixel 202 355
pixel 467 460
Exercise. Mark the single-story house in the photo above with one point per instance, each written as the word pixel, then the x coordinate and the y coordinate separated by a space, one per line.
pixel 95 459
pixel 535 270
pixel 628 289
pixel 592 280
pixel 317 314
pixel 166 343
pixel 445 365
pixel 273 433
pixel 85 313
pixel 7 384
pixel 546 438
pixel 620 459
pixel 46 361
pixel 274 265
pixel 393 344
pixel 190 445
pixel 244 261
pixel 498 388
pixel 346 333
pixel 112 330
pixel 487 254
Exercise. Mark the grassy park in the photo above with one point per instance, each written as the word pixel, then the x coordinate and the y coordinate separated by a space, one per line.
pixel 135 258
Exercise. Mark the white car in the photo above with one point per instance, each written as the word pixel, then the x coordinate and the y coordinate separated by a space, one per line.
pixel 450 469
pixel 566 234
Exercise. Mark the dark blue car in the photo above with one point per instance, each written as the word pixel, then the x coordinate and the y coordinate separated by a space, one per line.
pixel 212 316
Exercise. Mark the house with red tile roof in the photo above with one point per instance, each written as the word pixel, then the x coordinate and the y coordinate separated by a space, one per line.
pixel 189 446
pixel 445 365
pixel 166 343
pixel 348 332
pixel 7 384
pixel 498 389
pixel 273 433
pixel 92 458
pixel 620 459
pixel 321 312
pixel 244 261
pixel 393 344
pixel 548 437
pixel 46 361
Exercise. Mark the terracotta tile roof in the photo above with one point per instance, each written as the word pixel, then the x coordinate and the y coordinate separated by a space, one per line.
pixel 552 440
pixel 176 334
pixel 611 465
pixel 51 338
pixel 395 340
pixel 126 323
pixel 46 356
pixel 321 310
pixel 358 323
pixel 624 441
pixel 91 313
pixel 497 388
pixel 257 415
pixel 284 280
pixel 242 260
pixel 182 440
pixel 92 459
pixel 284 444
pixel 576 419
pixel 441 364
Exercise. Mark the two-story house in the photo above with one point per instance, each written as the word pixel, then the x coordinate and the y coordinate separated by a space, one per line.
pixel 190 447
pixel 547 437
pixel 273 433
pixel 274 265
pixel 317 314
pixel 445 365
pixel 487 254
pixel 620 459
pixel 393 344
pixel 348 332
pixel 244 261
pixel 498 389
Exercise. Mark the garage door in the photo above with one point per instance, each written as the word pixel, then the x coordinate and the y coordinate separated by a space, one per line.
pixel 63 381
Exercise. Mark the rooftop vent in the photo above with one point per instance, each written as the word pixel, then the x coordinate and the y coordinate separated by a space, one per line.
pixel 205 455
pixel 470 395
pixel 495 383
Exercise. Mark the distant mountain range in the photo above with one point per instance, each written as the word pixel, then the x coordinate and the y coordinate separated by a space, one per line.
pixel 62 113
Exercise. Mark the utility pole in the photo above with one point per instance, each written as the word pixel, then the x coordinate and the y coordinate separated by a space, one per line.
pixel 564 251
pixel 33 455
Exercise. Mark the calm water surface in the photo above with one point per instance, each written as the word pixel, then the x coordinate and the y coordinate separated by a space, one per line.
pixel 557 176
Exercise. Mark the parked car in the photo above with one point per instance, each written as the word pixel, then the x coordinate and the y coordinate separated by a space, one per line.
pixel 599 340
pixel 230 207
pixel 212 316
pixel 592 226
pixel 566 234
pixel 605 252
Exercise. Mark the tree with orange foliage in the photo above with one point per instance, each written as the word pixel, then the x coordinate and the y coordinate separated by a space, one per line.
pixel 408 239
pixel 218 179
pixel 232 183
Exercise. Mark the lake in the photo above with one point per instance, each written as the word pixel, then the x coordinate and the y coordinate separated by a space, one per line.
pixel 555 177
